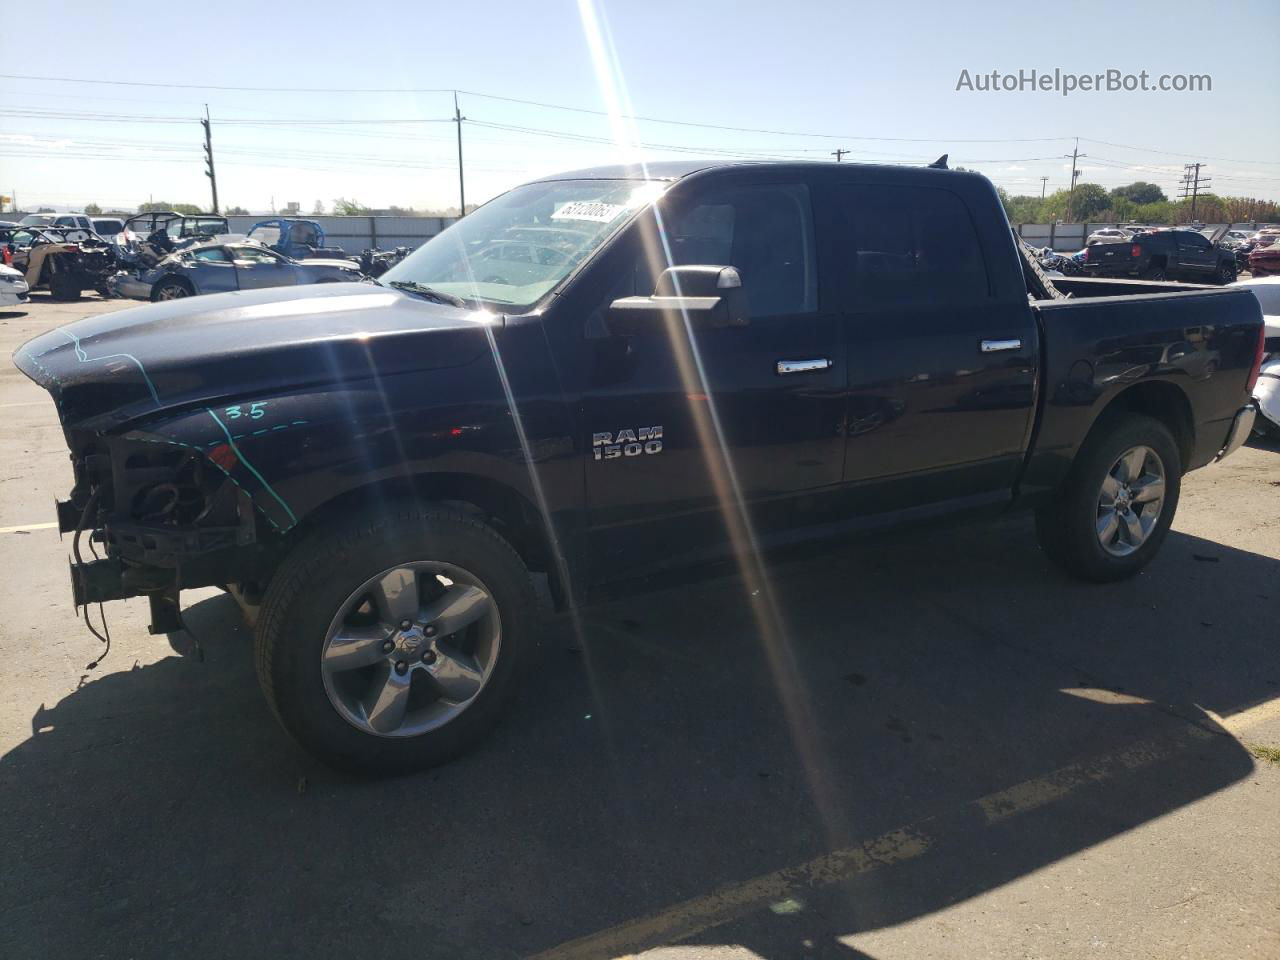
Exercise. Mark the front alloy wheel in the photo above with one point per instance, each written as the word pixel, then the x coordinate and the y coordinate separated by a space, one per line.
pixel 390 640
pixel 411 649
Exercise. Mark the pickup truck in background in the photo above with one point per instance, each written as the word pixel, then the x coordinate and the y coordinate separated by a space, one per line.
pixel 1165 255
pixel 602 375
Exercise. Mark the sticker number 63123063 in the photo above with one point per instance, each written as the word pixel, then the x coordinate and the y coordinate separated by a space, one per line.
pixel 254 411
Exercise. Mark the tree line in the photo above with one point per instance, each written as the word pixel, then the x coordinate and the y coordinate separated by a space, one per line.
pixel 1138 202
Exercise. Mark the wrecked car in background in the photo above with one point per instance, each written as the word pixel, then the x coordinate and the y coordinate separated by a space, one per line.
pixel 65 262
pixel 299 239
pixel 374 262
pixel 150 237
pixel 13 287
pixel 219 268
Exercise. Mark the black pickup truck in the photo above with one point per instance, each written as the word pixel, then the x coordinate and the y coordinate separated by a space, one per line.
pixel 1164 255
pixel 606 374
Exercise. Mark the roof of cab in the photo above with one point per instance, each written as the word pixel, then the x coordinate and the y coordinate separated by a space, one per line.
pixel 678 169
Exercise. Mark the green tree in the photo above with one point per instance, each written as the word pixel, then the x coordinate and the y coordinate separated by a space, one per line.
pixel 235 212
pixel 318 209
pixel 1089 200
pixel 92 209
pixel 349 208
pixel 1140 192
pixel 159 206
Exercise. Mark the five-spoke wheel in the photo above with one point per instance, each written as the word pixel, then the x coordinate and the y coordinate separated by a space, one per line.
pixel 411 648
pixel 1130 501
pixel 391 639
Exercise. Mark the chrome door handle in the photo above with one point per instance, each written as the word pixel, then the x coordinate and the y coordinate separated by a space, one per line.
pixel 803 366
pixel 996 346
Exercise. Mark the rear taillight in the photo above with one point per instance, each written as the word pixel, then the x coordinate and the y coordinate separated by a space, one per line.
pixel 1135 250
pixel 1257 360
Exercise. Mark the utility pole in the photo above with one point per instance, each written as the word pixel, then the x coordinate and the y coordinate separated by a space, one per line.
pixel 1043 182
pixel 1071 193
pixel 462 189
pixel 839 153
pixel 1191 183
pixel 208 156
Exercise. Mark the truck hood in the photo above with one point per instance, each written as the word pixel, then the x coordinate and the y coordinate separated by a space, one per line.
pixel 107 370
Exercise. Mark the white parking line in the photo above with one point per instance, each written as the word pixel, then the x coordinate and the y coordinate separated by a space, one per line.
pixel 26 527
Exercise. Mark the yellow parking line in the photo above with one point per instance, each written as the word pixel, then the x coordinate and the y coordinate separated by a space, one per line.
pixel 23 528
pixel 776 889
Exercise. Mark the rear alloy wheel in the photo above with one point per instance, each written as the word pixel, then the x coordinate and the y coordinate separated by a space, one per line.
pixel 1115 507
pixel 1226 273
pixel 170 290
pixel 1155 274
pixel 392 641
pixel 1130 501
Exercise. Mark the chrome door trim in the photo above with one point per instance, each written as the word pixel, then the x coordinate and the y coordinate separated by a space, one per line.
pixel 996 346
pixel 803 366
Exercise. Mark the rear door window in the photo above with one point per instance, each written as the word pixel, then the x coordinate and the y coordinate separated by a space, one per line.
pixel 907 245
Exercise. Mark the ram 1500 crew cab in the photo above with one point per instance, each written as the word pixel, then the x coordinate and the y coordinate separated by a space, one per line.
pixel 603 374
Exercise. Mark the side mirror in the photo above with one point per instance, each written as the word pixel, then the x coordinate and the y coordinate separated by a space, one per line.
pixel 707 295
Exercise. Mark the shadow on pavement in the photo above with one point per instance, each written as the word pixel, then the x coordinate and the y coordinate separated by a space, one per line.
pixel 650 762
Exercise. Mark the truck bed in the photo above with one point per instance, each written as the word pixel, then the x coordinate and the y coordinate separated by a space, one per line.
pixel 1184 343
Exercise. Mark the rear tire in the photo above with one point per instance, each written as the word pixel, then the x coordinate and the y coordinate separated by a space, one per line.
pixel 1078 531
pixel 1226 273
pixel 64 286
pixel 330 593
pixel 1156 274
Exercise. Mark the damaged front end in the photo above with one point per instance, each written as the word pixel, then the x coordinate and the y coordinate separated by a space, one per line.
pixel 154 518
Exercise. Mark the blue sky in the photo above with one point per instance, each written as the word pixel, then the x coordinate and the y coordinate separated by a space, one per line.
pixel 842 70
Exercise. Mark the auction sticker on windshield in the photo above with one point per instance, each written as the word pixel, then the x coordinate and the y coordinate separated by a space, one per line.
pixel 588 210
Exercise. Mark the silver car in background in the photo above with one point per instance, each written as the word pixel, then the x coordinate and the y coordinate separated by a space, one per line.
pixel 223 267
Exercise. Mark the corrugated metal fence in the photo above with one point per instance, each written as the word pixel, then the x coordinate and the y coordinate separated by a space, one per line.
pixel 354 234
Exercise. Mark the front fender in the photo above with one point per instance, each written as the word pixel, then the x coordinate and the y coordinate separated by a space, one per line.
pixel 294 452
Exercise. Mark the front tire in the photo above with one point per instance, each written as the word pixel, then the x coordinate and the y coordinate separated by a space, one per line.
pixel 1226 273
pixel 392 642
pixel 1114 510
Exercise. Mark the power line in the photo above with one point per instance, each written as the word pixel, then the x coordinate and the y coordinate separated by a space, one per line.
pixel 574 109
pixel 532 103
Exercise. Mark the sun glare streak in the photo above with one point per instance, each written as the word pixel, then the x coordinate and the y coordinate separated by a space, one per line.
pixel 804 730
pixel 557 555
pixel 610 80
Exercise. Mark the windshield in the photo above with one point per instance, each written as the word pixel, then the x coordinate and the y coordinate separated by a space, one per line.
pixel 516 248
pixel 37 219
